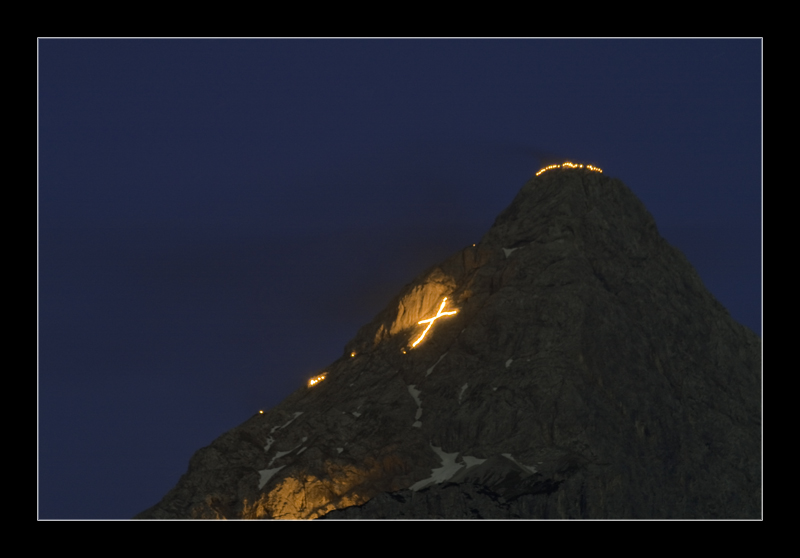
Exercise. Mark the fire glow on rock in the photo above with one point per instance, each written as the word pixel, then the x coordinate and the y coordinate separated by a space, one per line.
pixel 568 165
pixel 316 379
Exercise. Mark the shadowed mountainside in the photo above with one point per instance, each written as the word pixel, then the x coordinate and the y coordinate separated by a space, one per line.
pixel 587 373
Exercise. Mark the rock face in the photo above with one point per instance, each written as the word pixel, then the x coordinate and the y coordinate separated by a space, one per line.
pixel 588 373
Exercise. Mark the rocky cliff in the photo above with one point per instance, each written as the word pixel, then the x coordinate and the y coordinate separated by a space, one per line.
pixel 586 373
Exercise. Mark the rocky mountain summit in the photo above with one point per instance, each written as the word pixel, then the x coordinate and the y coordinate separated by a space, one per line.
pixel 585 373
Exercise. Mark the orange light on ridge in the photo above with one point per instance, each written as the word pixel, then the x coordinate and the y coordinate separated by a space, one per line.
pixel 430 321
pixel 569 165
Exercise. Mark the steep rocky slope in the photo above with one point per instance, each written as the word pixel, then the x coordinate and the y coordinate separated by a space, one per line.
pixel 587 373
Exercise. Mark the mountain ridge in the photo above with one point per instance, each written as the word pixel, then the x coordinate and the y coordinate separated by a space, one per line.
pixel 586 364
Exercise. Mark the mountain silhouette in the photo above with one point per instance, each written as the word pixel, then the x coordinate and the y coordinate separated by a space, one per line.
pixel 571 364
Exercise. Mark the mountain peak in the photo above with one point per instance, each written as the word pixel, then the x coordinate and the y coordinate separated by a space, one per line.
pixel 584 371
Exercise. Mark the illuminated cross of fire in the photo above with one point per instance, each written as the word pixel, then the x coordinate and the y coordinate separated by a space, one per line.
pixel 430 321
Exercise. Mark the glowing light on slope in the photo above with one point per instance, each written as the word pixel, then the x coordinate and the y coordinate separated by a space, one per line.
pixel 569 165
pixel 430 321
pixel 317 379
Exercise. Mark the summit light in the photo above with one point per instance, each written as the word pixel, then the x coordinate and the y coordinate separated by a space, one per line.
pixel 430 321
pixel 569 165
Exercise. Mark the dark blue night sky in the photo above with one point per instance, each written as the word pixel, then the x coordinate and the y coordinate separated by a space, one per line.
pixel 217 218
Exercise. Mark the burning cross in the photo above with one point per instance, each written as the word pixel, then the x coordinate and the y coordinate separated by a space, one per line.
pixel 430 321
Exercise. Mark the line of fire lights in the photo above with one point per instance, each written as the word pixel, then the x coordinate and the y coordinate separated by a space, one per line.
pixel 569 165
pixel 317 379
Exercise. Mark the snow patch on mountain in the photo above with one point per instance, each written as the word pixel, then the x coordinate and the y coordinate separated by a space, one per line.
pixel 265 474
pixel 470 461
pixel 440 474
pixel 280 454
pixel 412 389
pixel 274 428
pixel 526 467
pixel 434 366
pixel 415 394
